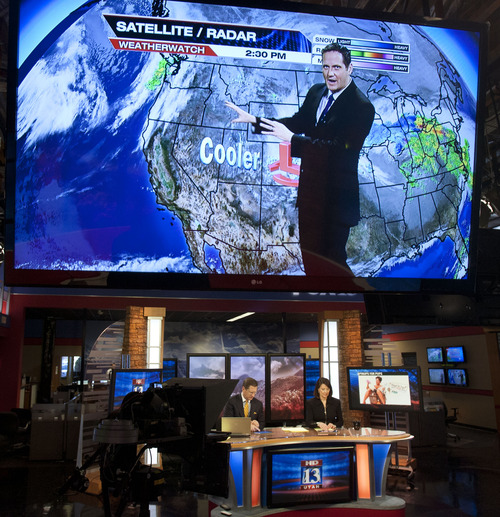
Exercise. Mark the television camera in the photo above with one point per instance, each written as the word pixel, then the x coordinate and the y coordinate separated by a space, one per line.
pixel 177 419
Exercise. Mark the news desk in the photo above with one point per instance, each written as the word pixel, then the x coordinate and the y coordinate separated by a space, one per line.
pixel 372 455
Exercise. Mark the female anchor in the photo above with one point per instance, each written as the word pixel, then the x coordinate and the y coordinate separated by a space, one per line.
pixel 323 410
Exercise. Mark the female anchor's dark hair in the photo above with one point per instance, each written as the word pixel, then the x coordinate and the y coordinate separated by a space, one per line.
pixel 319 382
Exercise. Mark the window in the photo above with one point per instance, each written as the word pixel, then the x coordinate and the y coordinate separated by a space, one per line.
pixel 330 350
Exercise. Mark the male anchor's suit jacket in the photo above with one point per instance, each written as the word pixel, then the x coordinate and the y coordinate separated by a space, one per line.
pixel 328 191
pixel 234 407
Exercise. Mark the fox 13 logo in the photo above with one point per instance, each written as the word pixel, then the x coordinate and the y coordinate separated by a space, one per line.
pixel 312 474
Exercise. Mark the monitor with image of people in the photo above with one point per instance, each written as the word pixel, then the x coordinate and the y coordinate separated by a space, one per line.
pixel 457 377
pixel 384 389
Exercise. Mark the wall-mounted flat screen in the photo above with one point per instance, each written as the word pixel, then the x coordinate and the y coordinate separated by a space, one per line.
pixel 435 354
pixel 312 375
pixel 455 354
pixel 437 376
pixel 207 366
pixel 254 366
pixel 457 377
pixel 125 381
pixel 132 166
pixel 169 368
pixel 309 476
pixel 286 389
pixel 385 389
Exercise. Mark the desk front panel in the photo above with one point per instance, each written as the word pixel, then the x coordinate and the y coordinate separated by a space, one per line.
pixel 249 468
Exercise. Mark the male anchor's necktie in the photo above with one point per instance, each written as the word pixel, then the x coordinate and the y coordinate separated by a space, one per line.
pixel 329 102
pixel 246 408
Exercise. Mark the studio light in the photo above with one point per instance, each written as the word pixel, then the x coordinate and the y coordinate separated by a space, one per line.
pixel 244 315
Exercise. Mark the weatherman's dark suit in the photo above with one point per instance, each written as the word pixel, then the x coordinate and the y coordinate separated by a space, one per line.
pixel 234 407
pixel 328 195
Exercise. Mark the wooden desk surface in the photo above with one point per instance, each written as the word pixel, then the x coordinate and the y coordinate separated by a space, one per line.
pixel 285 436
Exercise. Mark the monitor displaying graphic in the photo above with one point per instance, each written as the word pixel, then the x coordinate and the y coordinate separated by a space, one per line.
pixel 312 375
pixel 309 476
pixel 169 368
pixel 286 387
pixel 206 366
pixel 249 365
pixel 385 389
pixel 129 170
pixel 435 354
pixel 125 381
pixel 455 354
pixel 457 377
pixel 437 376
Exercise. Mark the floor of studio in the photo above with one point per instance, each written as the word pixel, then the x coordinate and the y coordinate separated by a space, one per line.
pixel 461 478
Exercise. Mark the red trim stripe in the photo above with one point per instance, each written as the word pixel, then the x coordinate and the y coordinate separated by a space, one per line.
pixel 466 391
pixel 308 344
pixel 435 333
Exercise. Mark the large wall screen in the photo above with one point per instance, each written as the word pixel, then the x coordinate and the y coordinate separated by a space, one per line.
pixel 127 160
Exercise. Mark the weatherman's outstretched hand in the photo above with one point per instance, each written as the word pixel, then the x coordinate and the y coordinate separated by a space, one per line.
pixel 268 127
pixel 243 116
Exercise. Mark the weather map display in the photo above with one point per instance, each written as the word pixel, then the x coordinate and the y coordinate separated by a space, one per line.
pixel 127 159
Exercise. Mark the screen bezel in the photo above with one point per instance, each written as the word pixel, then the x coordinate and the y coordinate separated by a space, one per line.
pixel 186 281
pixel 354 403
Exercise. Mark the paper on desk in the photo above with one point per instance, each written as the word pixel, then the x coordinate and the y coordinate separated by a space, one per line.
pixel 295 429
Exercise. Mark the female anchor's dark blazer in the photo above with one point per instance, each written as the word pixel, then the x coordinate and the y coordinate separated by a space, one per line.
pixel 315 412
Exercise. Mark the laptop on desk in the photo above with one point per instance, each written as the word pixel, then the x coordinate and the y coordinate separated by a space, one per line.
pixel 236 425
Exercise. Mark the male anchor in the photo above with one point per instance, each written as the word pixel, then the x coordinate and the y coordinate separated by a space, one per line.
pixel 245 404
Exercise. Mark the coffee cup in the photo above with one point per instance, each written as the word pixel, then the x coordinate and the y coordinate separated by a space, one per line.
pixel 357 425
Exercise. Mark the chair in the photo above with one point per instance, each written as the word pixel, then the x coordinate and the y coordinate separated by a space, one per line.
pixel 24 426
pixel 9 423
pixel 450 419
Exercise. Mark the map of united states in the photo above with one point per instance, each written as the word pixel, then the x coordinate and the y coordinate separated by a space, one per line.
pixel 238 219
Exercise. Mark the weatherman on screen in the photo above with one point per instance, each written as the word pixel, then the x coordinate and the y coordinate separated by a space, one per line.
pixel 327 134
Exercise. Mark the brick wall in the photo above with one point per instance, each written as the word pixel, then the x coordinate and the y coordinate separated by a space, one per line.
pixel 135 337
pixel 350 354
